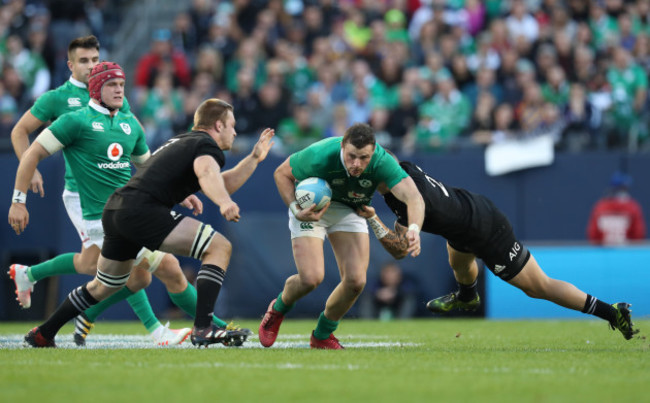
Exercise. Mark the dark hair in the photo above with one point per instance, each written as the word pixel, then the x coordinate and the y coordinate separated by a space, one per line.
pixel 209 112
pixel 359 135
pixel 84 42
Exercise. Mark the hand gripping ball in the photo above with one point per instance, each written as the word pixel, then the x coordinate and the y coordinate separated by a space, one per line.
pixel 313 191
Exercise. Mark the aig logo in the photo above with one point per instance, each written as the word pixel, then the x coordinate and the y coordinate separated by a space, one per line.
pixel 115 152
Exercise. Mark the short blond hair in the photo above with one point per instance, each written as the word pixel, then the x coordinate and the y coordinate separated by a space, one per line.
pixel 209 112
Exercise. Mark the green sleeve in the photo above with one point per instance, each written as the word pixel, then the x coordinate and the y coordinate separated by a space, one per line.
pixel 66 128
pixel 141 144
pixel 43 108
pixel 388 169
pixel 301 163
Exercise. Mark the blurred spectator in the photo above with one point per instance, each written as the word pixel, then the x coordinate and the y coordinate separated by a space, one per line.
pixel 378 122
pixel 629 88
pixel 485 56
pixel 582 122
pixel 359 106
pixel 603 26
pixel 482 123
pixel 162 110
pixel 271 109
pixel 447 114
pixel 616 218
pixel 403 118
pixel 29 65
pixel 339 123
pixel 8 113
pixel 390 296
pixel 459 69
pixel 556 89
pixel 521 23
pixel 485 82
pixel 184 36
pixel 245 102
pixel 475 16
pixel 162 58
pixel 504 127
pixel 297 132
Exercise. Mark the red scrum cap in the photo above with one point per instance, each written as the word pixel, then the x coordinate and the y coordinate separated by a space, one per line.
pixel 100 74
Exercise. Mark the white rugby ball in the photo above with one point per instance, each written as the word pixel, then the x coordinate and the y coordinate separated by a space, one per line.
pixel 313 191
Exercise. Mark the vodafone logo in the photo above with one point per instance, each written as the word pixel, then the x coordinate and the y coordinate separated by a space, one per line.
pixel 115 152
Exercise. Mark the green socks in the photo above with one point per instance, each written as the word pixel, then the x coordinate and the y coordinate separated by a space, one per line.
pixel 325 327
pixel 186 300
pixel 281 306
pixel 62 264
pixel 94 311
pixel 138 301
pixel 142 308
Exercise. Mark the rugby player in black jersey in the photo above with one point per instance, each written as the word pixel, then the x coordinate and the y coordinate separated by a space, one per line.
pixel 475 227
pixel 140 213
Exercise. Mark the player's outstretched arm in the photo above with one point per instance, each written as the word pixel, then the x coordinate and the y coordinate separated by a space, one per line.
pixel 394 242
pixel 208 173
pixel 235 177
pixel 407 192
pixel 20 141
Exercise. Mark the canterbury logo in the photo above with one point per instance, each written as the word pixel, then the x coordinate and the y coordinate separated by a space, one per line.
pixel 74 102
pixel 98 127
pixel 306 226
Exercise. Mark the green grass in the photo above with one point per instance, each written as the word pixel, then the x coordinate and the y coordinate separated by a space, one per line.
pixel 438 360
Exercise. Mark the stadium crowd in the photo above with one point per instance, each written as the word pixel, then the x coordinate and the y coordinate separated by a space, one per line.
pixel 427 75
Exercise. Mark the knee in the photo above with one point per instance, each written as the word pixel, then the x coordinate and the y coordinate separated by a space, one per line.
pixel 310 282
pixel 171 274
pixel 354 284
pixel 139 279
pixel 99 291
pixel 220 246
pixel 535 290
pixel 86 266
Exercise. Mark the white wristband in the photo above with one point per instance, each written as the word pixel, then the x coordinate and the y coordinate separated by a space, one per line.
pixel 376 227
pixel 293 206
pixel 19 197
pixel 414 227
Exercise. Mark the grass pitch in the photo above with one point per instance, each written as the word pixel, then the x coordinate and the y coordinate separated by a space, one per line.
pixel 402 361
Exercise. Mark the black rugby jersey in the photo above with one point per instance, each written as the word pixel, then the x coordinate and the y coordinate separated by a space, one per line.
pixel 168 176
pixel 448 211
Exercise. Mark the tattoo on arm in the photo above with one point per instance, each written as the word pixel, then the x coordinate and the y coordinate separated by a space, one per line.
pixel 395 242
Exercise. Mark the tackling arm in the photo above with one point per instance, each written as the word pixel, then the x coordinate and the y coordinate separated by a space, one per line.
pixel 407 192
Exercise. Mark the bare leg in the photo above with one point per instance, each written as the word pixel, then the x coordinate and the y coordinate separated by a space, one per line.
pixel 310 263
pixel 536 284
pixel 352 251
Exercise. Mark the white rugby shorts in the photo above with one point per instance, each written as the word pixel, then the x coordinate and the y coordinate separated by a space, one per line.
pixel 337 218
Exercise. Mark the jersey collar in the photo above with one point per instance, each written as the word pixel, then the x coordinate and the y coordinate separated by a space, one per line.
pixel 77 83
pixel 101 109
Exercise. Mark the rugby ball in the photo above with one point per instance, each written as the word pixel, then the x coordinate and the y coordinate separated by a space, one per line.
pixel 313 191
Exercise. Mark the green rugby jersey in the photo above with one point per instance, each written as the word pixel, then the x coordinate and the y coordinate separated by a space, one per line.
pixel 98 148
pixel 324 159
pixel 69 97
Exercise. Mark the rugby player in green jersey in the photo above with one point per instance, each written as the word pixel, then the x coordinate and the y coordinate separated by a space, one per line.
pixel 98 141
pixel 354 166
